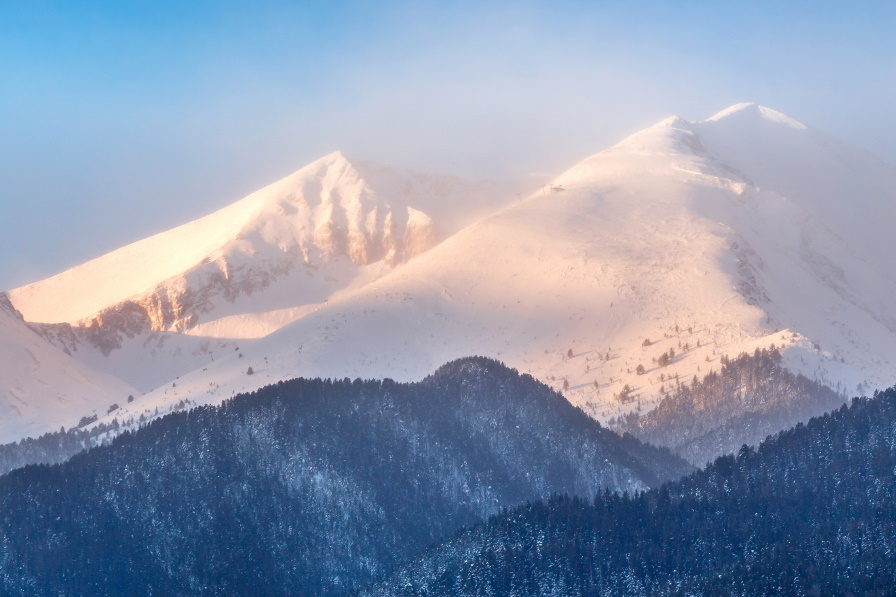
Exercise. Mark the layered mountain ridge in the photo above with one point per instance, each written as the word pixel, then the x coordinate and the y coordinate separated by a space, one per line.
pixel 638 269
pixel 663 244
pixel 324 485
pixel 810 512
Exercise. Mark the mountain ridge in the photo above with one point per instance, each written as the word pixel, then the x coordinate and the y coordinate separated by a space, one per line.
pixel 343 479
pixel 694 240
pixel 249 268
pixel 322 211
pixel 809 512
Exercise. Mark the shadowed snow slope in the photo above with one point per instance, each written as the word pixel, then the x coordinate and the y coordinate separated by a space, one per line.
pixel 41 387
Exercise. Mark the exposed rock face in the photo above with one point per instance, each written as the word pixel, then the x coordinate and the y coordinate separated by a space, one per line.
pixel 7 306
pixel 419 233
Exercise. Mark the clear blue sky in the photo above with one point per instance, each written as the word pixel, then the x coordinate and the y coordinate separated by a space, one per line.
pixel 122 119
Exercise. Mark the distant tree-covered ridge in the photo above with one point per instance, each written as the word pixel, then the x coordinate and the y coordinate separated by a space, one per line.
pixel 306 487
pixel 751 397
pixel 59 446
pixel 812 511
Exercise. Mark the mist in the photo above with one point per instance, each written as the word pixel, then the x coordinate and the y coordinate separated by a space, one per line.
pixel 122 122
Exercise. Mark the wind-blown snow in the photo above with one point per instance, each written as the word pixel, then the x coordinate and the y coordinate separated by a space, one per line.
pixel 748 112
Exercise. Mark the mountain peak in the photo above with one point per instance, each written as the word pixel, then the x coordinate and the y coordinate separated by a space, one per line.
pixel 333 156
pixel 753 111
pixel 672 122
pixel 334 160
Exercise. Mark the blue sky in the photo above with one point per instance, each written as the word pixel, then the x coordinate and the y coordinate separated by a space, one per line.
pixel 119 120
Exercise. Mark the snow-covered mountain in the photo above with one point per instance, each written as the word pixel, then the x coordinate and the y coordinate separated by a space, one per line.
pixel 41 387
pixel 689 239
pixel 683 243
pixel 270 247
pixel 168 304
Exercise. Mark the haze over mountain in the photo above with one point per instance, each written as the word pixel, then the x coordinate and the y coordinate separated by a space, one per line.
pixel 683 243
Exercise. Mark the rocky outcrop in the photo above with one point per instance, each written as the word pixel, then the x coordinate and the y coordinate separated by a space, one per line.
pixel 7 306
pixel 178 304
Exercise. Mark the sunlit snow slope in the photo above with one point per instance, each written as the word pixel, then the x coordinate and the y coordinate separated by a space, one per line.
pixel 708 238
pixel 294 242
pixel 174 302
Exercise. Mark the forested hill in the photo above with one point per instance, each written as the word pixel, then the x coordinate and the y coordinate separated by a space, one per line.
pixel 307 487
pixel 812 511
pixel 751 397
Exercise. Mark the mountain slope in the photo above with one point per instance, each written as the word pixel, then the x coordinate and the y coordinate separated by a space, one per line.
pixel 166 305
pixel 306 487
pixel 41 387
pixel 811 512
pixel 690 240
pixel 293 243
